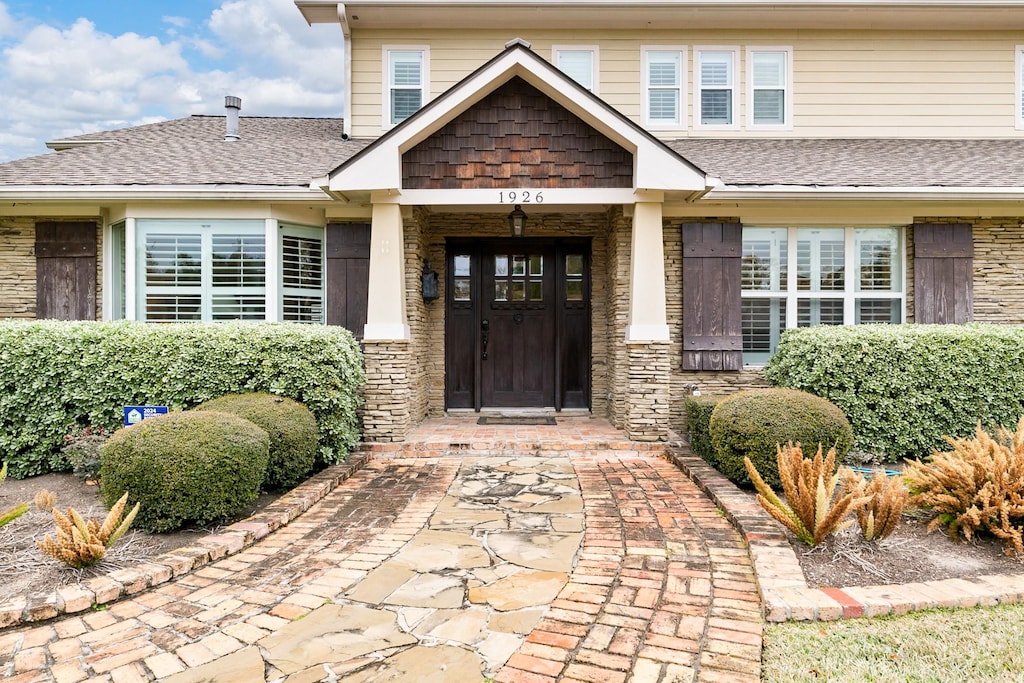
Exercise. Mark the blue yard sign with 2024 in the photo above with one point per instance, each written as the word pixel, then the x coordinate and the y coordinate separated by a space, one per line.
pixel 136 414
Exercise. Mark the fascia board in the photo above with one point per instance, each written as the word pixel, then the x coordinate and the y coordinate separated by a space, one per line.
pixel 656 166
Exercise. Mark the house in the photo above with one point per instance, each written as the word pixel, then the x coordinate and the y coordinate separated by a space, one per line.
pixel 621 202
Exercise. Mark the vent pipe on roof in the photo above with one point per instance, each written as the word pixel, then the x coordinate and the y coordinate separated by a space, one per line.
pixel 233 105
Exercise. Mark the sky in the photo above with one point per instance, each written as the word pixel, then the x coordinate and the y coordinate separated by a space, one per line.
pixel 71 67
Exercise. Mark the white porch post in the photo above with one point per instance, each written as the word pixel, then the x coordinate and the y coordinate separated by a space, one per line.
pixel 385 313
pixel 647 318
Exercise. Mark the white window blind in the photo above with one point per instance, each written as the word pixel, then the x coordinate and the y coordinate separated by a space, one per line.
pixel 664 85
pixel 302 274
pixel 716 88
pixel 405 83
pixel 769 87
pixel 578 64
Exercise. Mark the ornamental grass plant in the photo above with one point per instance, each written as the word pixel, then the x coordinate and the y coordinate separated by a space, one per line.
pixel 977 487
pixel 813 509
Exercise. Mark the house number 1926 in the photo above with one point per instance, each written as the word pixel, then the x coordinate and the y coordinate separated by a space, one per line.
pixel 521 197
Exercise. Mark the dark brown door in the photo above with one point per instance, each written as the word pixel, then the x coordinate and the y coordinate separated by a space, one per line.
pixel 66 271
pixel 518 324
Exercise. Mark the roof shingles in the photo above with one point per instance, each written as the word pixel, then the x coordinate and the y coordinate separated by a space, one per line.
pixel 192 151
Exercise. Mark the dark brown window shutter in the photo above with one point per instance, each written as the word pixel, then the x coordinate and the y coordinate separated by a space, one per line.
pixel 712 313
pixel 943 273
pixel 348 275
pixel 66 270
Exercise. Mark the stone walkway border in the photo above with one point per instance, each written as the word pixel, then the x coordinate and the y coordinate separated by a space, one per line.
pixel 229 541
pixel 785 594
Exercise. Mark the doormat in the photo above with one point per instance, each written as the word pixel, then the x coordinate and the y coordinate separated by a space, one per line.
pixel 525 420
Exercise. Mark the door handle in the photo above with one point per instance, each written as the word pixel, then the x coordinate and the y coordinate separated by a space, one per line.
pixel 485 330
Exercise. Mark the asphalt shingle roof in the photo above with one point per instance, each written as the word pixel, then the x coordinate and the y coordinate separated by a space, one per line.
pixel 859 162
pixel 192 151
pixel 292 151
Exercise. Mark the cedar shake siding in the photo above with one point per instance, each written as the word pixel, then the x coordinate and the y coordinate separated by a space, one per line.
pixel 516 137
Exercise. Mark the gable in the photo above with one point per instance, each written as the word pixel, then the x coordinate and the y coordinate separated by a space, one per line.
pixel 517 136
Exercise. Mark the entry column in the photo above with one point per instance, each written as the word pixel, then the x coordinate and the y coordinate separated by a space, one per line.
pixel 386 336
pixel 647 335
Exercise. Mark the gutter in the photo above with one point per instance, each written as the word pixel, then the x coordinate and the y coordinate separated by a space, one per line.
pixel 863 193
pixel 25 193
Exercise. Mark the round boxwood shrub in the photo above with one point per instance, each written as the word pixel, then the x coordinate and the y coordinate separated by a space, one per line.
pixel 752 423
pixel 185 468
pixel 292 429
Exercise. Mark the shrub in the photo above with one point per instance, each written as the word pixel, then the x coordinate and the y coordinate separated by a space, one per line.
pixel 80 543
pixel 82 450
pixel 698 424
pixel 185 468
pixel 755 422
pixel 976 487
pixel 812 510
pixel 887 496
pixel 905 387
pixel 292 431
pixel 57 376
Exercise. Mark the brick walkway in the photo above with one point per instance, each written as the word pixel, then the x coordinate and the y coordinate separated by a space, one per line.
pixel 662 589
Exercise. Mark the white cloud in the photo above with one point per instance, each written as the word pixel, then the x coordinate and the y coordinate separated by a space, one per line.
pixel 56 82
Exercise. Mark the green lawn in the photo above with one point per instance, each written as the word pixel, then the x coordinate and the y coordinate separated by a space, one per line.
pixel 944 646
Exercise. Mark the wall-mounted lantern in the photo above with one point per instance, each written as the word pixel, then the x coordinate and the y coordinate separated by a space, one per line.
pixel 429 282
pixel 517 221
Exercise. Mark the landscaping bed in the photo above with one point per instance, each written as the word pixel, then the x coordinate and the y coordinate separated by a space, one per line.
pixel 25 570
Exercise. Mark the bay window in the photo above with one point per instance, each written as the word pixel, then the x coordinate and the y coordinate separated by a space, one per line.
pixel 217 270
pixel 799 277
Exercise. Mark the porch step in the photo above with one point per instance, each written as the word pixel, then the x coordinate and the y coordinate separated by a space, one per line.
pixel 484 448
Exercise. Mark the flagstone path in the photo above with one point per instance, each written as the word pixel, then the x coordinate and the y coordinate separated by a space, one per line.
pixel 603 567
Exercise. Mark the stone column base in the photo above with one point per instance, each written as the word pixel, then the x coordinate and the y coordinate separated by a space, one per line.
pixel 648 407
pixel 387 395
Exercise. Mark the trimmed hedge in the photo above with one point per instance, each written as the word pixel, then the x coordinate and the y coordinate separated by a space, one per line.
pixel 291 428
pixel 753 423
pixel 57 377
pixel 185 468
pixel 698 425
pixel 903 387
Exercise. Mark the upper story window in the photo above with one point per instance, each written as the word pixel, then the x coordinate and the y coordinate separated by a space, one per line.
pixel 664 86
pixel 799 277
pixel 715 91
pixel 579 63
pixel 406 82
pixel 769 72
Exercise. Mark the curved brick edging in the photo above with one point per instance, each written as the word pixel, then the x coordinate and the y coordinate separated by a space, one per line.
pixel 785 594
pixel 120 583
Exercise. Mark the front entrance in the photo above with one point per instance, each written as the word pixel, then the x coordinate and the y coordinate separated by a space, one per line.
pixel 517 332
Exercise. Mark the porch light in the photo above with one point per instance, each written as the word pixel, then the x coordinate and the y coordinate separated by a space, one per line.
pixel 517 221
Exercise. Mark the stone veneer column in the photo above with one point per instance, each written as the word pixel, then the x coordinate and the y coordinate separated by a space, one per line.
pixel 386 412
pixel 648 409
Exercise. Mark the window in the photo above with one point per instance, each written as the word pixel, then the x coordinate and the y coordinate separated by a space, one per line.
pixel 664 104
pixel 768 79
pixel 579 63
pixel 715 95
pixel 191 270
pixel 117 271
pixel 302 274
pixel 1020 87
pixel 405 86
pixel 799 277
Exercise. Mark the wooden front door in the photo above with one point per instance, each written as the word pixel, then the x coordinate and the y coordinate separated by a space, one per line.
pixel 518 324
